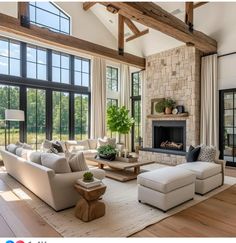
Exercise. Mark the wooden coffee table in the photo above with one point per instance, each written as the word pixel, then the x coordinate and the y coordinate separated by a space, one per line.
pixel 89 207
pixel 120 171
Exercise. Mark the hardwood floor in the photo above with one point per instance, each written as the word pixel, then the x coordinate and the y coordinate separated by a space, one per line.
pixel 213 217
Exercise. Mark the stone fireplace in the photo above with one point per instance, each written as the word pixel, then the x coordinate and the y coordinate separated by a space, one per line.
pixel 171 74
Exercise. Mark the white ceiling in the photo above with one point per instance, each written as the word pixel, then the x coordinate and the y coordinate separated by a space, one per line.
pixel 215 19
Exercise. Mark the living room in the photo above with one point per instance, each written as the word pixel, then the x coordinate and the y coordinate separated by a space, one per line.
pixel 117 119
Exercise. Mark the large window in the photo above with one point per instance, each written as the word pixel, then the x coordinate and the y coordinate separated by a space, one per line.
pixel 9 99
pixel 36 62
pixel 60 116
pixel 136 109
pixel 9 57
pixel 60 67
pixel 36 117
pixel 81 106
pixel 53 90
pixel 112 78
pixel 47 14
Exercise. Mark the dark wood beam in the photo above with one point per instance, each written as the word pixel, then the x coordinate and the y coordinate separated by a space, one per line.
pixel 153 16
pixel 111 9
pixel 198 4
pixel 121 35
pixel 131 26
pixel 88 5
pixel 189 15
pixel 24 14
pixel 141 33
pixel 12 25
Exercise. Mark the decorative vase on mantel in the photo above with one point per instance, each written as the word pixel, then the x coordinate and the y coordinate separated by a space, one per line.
pixel 168 110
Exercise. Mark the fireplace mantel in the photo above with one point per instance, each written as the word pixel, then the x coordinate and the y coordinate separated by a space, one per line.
pixel 183 116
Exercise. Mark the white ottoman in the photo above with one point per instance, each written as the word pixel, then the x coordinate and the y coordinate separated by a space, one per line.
pixel 166 188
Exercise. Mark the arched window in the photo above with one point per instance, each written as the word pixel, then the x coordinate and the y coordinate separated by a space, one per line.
pixel 48 15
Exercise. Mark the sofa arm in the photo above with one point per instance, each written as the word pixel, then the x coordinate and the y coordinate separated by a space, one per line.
pixel 222 163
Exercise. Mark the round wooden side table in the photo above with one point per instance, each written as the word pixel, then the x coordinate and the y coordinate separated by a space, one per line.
pixel 89 207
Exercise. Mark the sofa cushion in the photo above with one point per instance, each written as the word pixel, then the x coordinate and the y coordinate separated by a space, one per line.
pixel 92 143
pixel 76 161
pixel 166 179
pixel 55 162
pixel 106 141
pixel 84 144
pixel 193 154
pixel 36 157
pixel 207 153
pixel 24 153
pixel 202 170
pixel 12 148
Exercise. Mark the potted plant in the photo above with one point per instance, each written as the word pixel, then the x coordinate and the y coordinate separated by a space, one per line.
pixel 160 106
pixel 88 177
pixel 107 152
pixel 169 104
pixel 118 120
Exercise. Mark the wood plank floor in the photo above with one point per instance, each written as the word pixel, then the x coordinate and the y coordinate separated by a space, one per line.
pixel 213 217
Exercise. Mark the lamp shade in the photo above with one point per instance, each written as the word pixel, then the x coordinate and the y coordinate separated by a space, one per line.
pixel 14 115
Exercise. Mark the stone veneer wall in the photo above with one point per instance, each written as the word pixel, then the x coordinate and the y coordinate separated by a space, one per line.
pixel 175 74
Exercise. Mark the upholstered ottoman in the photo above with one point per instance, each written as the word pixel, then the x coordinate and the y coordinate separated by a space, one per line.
pixel 166 188
pixel 209 175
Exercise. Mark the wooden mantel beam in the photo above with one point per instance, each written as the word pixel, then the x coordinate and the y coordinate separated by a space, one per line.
pixel 88 5
pixel 12 25
pixel 153 16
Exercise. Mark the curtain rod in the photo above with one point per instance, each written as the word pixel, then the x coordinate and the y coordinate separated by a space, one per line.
pixel 223 55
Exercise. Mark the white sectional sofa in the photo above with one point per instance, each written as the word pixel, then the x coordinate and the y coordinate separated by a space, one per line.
pixel 57 190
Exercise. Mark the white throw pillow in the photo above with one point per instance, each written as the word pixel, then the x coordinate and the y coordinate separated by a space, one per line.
pixel 76 161
pixel 207 153
pixel 55 162
pixel 84 144
pixel 24 153
pixel 12 148
pixel 102 142
pixel 92 143
pixel 23 145
pixel 36 157
pixel 106 141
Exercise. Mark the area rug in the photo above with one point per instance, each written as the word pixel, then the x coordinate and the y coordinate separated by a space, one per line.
pixel 124 214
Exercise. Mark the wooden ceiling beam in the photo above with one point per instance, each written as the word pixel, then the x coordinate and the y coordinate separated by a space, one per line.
pixel 88 5
pixel 132 26
pixel 12 25
pixel 121 35
pixel 141 33
pixel 199 4
pixel 153 16
pixel 189 15
pixel 24 14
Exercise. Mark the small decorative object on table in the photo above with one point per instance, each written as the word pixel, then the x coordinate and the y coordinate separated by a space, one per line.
pixel 175 111
pixel 180 109
pixel 107 152
pixel 169 104
pixel 88 180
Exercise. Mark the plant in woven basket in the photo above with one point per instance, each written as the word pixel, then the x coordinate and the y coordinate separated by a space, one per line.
pixel 88 177
pixel 107 152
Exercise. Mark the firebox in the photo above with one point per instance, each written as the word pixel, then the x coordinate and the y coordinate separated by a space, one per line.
pixel 169 135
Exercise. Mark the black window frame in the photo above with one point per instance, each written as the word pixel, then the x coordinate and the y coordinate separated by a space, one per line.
pixel 31 5
pixel 134 99
pixel 23 83
pixel 112 80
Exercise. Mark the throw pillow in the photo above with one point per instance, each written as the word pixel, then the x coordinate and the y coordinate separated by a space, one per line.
pixel 193 154
pixel 102 142
pixel 57 146
pixel 76 161
pixel 23 153
pixel 12 148
pixel 84 144
pixel 92 143
pixel 47 144
pixel 36 157
pixel 57 163
pixel 112 141
pixel 207 153
pixel 23 145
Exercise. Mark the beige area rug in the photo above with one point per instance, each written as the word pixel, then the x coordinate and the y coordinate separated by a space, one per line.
pixel 124 214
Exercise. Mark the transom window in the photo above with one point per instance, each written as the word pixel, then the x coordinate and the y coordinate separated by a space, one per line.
pixel 60 67
pixel 112 78
pixel 112 102
pixel 47 14
pixel 36 62
pixel 9 57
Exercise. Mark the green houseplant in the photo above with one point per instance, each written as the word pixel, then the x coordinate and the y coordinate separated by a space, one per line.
pixel 118 120
pixel 160 106
pixel 88 177
pixel 107 152
pixel 169 104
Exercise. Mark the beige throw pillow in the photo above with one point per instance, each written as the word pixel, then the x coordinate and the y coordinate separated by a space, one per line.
pixel 24 153
pixel 207 153
pixel 55 162
pixel 76 161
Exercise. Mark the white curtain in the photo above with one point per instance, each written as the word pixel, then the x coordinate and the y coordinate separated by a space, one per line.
pixel 209 128
pixel 125 93
pixel 98 98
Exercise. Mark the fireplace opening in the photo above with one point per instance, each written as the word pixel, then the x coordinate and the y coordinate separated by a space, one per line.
pixel 169 135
